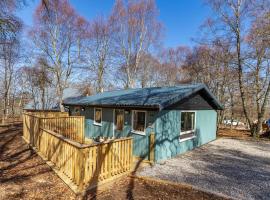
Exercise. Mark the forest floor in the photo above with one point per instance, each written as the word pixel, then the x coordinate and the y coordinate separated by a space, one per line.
pixel 241 134
pixel 24 175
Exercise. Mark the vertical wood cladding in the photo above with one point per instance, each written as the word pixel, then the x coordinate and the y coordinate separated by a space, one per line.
pixel 198 101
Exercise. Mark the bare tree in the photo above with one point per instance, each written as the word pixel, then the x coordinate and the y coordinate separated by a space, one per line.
pixel 58 32
pixel 173 65
pixel 148 71
pixel 98 50
pixel 136 30
pixel 10 25
pixel 9 56
pixel 42 79
pixel 230 21
pixel 36 81
pixel 259 66
pixel 10 28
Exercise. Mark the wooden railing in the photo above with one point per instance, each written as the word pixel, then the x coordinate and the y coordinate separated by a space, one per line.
pixel 30 128
pixel 70 127
pixel 87 165
pixel 47 114
pixel 84 165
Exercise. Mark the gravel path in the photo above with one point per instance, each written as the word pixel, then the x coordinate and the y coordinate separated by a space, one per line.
pixel 236 168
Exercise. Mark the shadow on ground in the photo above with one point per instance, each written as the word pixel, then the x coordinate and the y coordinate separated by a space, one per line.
pixel 23 174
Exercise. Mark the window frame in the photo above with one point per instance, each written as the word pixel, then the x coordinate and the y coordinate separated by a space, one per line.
pixel 189 131
pixel 97 123
pixel 132 122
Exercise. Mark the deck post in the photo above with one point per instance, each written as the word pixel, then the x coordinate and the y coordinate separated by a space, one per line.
pixel 152 147
pixel 83 153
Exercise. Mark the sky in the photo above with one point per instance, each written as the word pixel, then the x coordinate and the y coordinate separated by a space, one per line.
pixel 181 19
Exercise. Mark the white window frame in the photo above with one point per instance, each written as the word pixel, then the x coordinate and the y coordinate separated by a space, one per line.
pixel 132 119
pixel 190 131
pixel 96 123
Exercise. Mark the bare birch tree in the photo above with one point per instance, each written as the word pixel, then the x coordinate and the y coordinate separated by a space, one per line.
pixel 98 47
pixel 136 29
pixel 230 21
pixel 57 33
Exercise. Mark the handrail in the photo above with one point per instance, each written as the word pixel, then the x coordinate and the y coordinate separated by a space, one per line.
pixel 81 146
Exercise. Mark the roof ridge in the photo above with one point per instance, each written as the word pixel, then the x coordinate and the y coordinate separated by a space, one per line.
pixel 130 89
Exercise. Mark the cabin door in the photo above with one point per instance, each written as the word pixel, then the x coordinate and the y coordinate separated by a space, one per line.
pixel 118 122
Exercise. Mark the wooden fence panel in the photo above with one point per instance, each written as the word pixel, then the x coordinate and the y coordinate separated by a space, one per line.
pixel 85 165
pixel 71 127
pixel 107 160
pixel 30 128
pixel 66 157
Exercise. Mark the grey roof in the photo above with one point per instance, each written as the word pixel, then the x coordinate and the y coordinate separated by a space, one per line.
pixel 155 97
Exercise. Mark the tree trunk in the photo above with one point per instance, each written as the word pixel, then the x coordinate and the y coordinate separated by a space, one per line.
pixel 100 84
pixel 240 74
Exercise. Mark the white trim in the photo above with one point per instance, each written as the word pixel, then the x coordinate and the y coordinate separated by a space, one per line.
pixel 185 139
pixel 145 119
pixel 138 132
pixel 114 120
pixel 96 123
pixel 189 131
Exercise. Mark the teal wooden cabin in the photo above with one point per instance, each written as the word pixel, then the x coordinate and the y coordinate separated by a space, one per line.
pixel 181 117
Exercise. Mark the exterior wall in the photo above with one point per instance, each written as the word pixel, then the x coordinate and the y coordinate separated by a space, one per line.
pixel 140 142
pixel 165 124
pixel 167 130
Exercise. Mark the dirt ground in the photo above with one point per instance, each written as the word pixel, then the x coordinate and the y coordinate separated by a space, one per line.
pixel 24 175
pixel 137 188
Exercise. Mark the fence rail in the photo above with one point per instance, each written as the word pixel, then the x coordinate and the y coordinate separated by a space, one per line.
pixel 71 127
pixel 85 165
pixel 47 114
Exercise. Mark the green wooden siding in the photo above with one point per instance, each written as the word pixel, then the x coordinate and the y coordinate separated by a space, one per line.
pixel 140 142
pixel 167 130
pixel 166 126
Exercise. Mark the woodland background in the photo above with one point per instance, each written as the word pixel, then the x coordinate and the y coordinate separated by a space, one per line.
pixel 124 50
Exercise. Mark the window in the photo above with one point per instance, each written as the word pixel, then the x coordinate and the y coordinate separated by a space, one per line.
pixel 119 119
pixel 187 125
pixel 77 111
pixel 98 116
pixel 139 121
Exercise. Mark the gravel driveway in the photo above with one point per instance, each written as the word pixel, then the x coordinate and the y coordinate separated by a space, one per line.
pixel 239 169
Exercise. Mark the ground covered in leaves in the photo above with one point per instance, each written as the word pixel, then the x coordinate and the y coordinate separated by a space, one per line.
pixel 241 134
pixel 24 175
pixel 234 133
pixel 137 188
